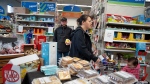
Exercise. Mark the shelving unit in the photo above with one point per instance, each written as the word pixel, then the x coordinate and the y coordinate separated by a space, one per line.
pixel 39 23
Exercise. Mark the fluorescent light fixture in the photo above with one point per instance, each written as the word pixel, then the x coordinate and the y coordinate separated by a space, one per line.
pixel 75 5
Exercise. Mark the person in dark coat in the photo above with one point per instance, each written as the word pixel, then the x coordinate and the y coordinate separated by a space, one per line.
pixel 81 45
pixel 60 35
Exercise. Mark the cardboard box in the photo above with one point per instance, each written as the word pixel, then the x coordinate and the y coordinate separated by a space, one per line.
pixel 17 68
pixel 21 10
pixel 49 53
pixel 39 40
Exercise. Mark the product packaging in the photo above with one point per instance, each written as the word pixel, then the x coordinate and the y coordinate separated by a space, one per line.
pixel 47 80
pixel 65 61
pixel 49 53
pixel 100 80
pixel 19 67
pixel 78 81
pixel 87 74
pixel 64 74
pixel 76 66
pixel 49 69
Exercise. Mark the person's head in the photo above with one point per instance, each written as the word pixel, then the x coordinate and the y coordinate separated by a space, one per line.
pixel 64 21
pixel 85 21
pixel 132 62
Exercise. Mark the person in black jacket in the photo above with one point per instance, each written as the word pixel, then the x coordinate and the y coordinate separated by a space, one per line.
pixel 60 35
pixel 81 45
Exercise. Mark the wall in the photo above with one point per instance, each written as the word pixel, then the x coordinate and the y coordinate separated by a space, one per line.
pixel 124 10
pixel 72 22
pixel 13 3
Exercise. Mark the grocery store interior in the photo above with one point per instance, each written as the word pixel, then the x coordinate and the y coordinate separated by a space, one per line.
pixel 74 41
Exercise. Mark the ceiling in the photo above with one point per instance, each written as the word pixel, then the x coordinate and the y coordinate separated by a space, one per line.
pixel 78 2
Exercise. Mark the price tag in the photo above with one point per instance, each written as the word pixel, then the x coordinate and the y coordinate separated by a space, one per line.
pixel 109 35
pixel 20 28
pixel 50 29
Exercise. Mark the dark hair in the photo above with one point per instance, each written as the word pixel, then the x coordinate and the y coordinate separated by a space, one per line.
pixel 134 61
pixel 82 18
pixel 63 19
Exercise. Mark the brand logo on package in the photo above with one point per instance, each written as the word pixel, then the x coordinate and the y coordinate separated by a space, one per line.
pixel 11 75
pixel 47 6
pixel 2 11
pixel 32 6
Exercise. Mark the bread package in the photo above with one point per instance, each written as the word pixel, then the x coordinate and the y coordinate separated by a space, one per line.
pixel 84 62
pixel 72 72
pixel 76 59
pixel 87 74
pixel 67 59
pixel 64 74
pixel 47 80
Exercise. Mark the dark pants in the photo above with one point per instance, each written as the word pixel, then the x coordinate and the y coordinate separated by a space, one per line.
pixel 60 54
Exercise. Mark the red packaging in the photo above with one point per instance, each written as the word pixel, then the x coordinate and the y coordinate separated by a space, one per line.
pixel 39 40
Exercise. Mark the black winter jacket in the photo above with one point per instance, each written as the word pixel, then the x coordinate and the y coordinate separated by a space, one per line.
pixel 81 45
pixel 60 35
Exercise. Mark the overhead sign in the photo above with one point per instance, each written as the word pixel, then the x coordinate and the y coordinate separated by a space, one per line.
pixel 2 11
pixel 47 6
pixel 32 6
pixel 72 8
pixel 128 2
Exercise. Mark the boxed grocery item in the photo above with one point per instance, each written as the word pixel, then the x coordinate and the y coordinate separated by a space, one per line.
pixel 65 61
pixel 49 53
pixel 100 80
pixel 122 77
pixel 64 74
pixel 78 81
pixel 47 80
pixel 39 40
pixel 87 74
pixel 21 10
pixel 26 64
pixel 49 69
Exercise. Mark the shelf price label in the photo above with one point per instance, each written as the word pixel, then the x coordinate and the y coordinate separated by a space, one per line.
pixel 109 35
pixel 47 6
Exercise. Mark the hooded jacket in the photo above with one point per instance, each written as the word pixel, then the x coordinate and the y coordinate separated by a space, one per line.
pixel 60 35
pixel 81 45
pixel 134 71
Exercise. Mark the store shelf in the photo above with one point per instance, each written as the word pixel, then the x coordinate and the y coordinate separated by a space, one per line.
pixel 4 32
pixel 125 41
pixel 116 50
pixel 35 15
pixel 128 24
pixel 34 34
pixel 129 31
pixel 35 27
pixel 11 54
pixel 34 21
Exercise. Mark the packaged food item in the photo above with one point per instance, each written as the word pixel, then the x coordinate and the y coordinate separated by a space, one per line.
pixel 84 62
pixel 65 61
pixel 49 69
pixel 64 74
pixel 72 72
pixel 47 80
pixel 76 59
pixel 87 74
pixel 122 77
pixel 76 66
pixel 78 81
pixel 100 80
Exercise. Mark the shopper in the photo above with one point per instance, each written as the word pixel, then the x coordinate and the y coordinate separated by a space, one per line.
pixel 81 45
pixel 60 35
pixel 132 67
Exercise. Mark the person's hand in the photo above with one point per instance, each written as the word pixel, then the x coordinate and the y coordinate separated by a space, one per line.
pixel 68 43
pixel 98 61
